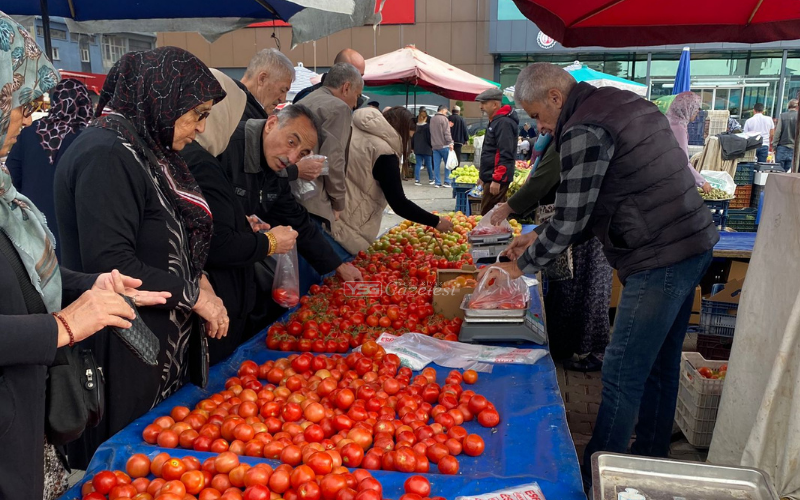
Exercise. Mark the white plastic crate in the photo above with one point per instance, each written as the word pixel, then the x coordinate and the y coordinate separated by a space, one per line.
pixel 695 411
pixel 698 433
pixel 704 392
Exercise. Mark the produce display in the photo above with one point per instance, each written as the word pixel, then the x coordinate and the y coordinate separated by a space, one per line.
pixel 715 194
pixel 363 410
pixel 466 174
pixel 225 477
pixel 713 373
pixel 463 281
pixel 520 176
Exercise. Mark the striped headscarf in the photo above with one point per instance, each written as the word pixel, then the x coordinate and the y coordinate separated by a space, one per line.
pixel 25 75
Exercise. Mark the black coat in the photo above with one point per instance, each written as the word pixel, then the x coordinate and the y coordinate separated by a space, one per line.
pixel 422 140
pixel 499 152
pixel 235 248
pixel 262 192
pixel 253 110
pixel 27 346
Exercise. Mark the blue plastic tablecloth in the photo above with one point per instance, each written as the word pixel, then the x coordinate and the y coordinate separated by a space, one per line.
pixel 736 241
pixel 532 442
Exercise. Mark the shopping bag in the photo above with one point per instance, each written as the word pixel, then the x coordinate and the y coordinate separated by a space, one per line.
pixel 306 190
pixel 452 160
pixel 720 180
pixel 485 227
pixel 497 290
pixel 286 286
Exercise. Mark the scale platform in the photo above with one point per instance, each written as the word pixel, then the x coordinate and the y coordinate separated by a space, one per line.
pixel 485 249
pixel 530 328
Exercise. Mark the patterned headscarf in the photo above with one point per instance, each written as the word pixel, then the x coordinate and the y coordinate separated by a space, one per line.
pixel 539 148
pixel 70 112
pixel 152 89
pixel 25 75
pixel 683 108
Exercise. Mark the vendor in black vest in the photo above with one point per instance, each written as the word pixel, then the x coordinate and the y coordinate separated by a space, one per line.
pixel 623 180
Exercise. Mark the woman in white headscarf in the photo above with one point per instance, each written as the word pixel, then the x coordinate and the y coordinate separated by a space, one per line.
pixel 238 242
pixel 683 111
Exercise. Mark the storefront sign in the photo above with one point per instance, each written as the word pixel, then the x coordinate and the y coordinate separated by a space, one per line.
pixel 394 12
pixel 545 41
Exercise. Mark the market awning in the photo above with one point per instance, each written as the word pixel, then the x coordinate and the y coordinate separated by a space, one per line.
pixel 632 23
pixel 583 73
pixel 410 67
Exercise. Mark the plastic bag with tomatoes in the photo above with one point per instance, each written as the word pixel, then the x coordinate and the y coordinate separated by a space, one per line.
pixel 497 290
pixel 485 227
pixel 286 285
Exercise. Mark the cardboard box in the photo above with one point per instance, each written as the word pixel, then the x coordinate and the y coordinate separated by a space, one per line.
pixel 447 301
pixel 730 294
pixel 616 289
pixel 697 305
pixel 738 270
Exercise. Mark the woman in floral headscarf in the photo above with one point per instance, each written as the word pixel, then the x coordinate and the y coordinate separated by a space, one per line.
pixel 681 112
pixel 33 159
pixel 126 199
pixel 32 322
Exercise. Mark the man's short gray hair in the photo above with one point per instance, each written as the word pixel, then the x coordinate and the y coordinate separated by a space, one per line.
pixel 536 80
pixel 290 113
pixel 272 61
pixel 792 103
pixel 342 73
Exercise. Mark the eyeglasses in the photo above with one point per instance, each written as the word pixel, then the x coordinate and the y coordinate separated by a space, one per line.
pixel 201 115
pixel 31 108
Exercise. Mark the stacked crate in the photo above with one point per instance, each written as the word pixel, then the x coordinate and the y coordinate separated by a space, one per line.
pixel 698 399
pixel 741 216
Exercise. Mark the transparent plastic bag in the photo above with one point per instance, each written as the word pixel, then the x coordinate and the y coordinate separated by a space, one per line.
pixel 417 350
pixel 305 190
pixel 286 285
pixel 485 227
pixel 452 160
pixel 530 491
pixel 720 180
pixel 497 290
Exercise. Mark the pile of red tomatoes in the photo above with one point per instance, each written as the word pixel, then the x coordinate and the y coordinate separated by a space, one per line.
pixel 362 410
pixel 224 477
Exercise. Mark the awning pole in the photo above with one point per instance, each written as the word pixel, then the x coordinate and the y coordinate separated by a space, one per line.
pixel 48 44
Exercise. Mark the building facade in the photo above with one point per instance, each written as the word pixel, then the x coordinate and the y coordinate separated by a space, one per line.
pixel 491 39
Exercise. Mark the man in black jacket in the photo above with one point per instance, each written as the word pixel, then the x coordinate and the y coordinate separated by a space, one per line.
pixel 266 82
pixel 256 161
pixel 623 180
pixel 458 131
pixel 499 153
pixel 344 56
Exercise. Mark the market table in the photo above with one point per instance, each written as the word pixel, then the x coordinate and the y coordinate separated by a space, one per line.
pixel 735 245
pixel 532 442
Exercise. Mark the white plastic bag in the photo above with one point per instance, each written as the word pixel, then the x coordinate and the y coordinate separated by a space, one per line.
pixel 286 285
pixel 486 228
pixel 305 190
pixel 720 180
pixel 527 491
pixel 416 351
pixel 452 160
pixel 497 290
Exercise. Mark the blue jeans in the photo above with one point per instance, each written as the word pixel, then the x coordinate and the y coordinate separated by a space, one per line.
pixel 439 161
pixel 762 153
pixel 641 367
pixel 784 156
pixel 426 160
pixel 308 275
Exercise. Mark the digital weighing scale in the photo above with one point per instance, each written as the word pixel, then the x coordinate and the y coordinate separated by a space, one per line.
pixel 485 249
pixel 501 325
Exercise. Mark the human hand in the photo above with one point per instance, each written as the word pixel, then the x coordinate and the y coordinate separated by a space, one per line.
pixel 501 213
pixel 519 245
pixel 212 310
pixel 444 225
pixel 125 285
pixel 256 224
pixel 452 147
pixel 510 267
pixel 337 214
pixel 494 188
pixel 309 167
pixel 349 272
pixel 707 188
pixel 479 183
pixel 286 238
pixel 93 311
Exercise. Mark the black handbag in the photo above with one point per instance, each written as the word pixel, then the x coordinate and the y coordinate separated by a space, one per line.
pixel 75 394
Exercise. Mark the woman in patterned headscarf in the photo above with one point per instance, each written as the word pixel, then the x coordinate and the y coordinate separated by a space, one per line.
pixel 681 112
pixel 34 287
pixel 33 159
pixel 126 199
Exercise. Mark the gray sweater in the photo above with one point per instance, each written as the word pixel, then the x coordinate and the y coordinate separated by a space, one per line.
pixel 440 132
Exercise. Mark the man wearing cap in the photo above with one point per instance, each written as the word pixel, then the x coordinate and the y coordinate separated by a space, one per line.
pixel 499 148
pixel 458 131
pixel 374 104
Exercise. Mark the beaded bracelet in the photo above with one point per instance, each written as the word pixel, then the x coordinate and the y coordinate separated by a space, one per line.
pixel 69 330
pixel 273 243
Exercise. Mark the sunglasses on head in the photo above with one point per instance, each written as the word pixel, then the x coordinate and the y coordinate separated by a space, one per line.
pixel 31 108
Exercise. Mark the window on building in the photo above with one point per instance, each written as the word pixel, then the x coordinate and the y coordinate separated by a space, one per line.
pixel 135 45
pixel 56 55
pixel 113 49
pixel 55 34
pixel 85 57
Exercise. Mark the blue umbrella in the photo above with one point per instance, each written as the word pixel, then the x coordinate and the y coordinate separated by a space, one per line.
pixel 684 74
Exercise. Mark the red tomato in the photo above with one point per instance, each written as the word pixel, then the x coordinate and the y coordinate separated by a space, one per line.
pixel 194 481
pixel 488 418
pixel 448 465
pixel 473 445
pixel 138 465
pixel 173 469
pixel 104 481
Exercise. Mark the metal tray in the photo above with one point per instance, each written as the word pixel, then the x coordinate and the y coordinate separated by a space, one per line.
pixel 489 239
pixel 662 479
pixel 490 313
pixel 504 320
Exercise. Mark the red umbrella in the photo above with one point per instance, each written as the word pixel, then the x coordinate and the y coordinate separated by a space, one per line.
pixel 631 23
pixel 412 67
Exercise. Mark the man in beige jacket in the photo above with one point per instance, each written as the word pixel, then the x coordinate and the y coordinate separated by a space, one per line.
pixel 332 106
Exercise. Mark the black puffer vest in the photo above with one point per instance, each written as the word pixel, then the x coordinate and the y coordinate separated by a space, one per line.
pixel 648 214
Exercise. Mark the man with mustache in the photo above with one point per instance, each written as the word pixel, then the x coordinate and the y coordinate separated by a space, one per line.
pixel 256 160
